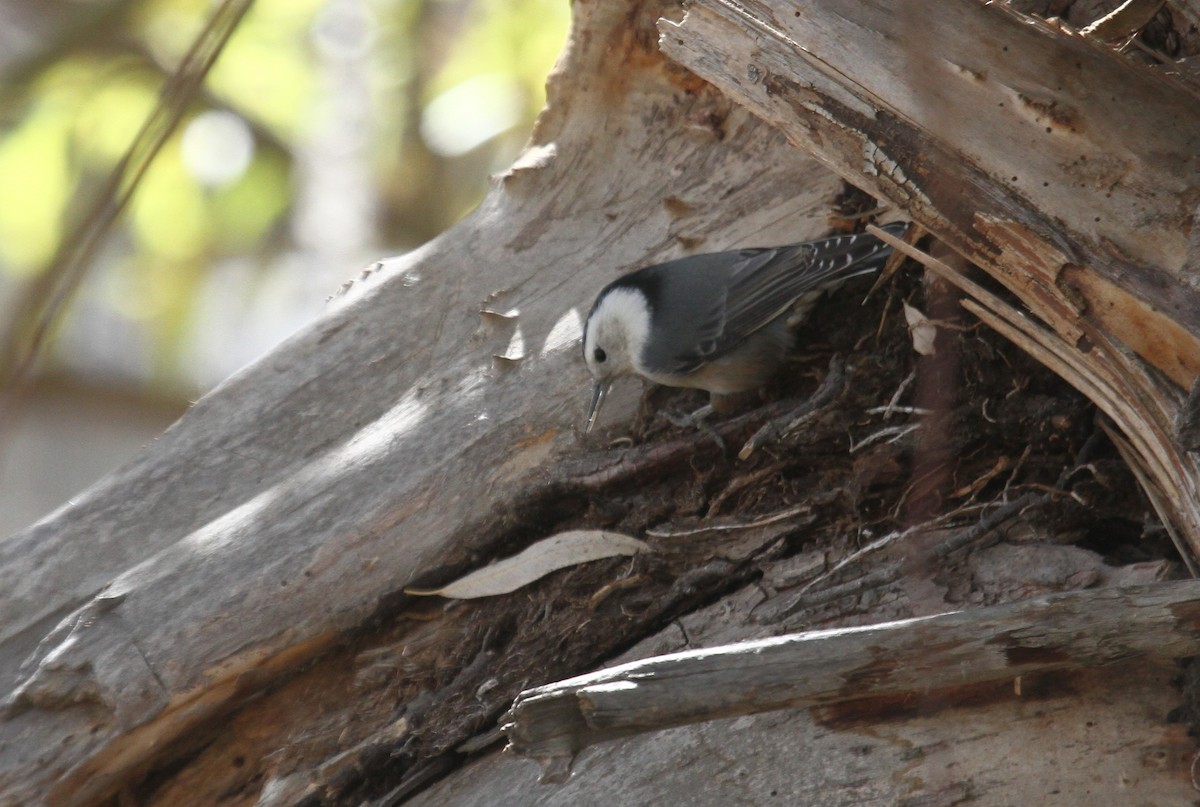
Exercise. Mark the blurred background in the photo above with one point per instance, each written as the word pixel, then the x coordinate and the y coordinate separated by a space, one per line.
pixel 329 133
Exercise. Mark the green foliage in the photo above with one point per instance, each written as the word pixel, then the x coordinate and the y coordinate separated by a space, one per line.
pixel 74 116
pixel 34 187
pixel 516 38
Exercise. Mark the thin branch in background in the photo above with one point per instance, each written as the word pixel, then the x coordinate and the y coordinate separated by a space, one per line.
pixel 47 297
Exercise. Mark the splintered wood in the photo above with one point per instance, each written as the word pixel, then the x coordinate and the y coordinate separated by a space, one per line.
pixel 910 658
pixel 1076 194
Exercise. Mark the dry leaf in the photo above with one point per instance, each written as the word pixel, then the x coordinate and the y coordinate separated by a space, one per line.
pixel 547 555
pixel 923 331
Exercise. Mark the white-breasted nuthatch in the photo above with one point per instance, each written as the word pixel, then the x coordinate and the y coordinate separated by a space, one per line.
pixel 720 322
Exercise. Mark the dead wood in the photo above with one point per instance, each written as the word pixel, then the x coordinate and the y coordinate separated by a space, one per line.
pixel 223 621
pixel 1076 193
pixel 909 658
pixel 380 448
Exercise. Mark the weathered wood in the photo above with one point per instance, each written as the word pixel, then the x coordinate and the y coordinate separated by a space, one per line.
pixel 1051 741
pixel 1058 743
pixel 379 447
pixel 914 657
pixel 1130 16
pixel 1067 172
pixel 970 92
pixel 385 446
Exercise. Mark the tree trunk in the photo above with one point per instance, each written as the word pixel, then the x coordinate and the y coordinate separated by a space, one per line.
pixel 224 620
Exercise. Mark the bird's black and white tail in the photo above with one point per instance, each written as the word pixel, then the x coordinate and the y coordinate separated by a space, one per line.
pixel 842 257
pixel 830 262
pixel 770 280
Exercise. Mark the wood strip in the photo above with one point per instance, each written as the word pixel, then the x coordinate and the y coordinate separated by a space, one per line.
pixel 908 657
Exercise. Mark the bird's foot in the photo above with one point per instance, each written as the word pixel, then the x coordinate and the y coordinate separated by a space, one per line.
pixel 697 420
pixel 778 429
pixel 681 421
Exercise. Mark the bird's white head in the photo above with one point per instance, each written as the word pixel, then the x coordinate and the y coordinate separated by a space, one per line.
pixel 613 339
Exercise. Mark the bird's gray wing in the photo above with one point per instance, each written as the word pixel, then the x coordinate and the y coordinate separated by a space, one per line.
pixel 746 290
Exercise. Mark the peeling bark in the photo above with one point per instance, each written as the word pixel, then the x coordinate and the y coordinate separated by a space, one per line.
pixel 927 658
pixel 1068 173
pixel 223 621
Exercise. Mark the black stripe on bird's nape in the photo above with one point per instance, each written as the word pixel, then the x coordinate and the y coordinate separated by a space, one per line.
pixel 647 280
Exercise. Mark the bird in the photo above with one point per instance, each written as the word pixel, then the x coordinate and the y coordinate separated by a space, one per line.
pixel 720 322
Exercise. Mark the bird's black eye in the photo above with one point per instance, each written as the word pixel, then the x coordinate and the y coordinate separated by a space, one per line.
pixel 599 355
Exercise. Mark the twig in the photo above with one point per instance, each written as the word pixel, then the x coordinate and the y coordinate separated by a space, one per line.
pixel 895 432
pixel 599 470
pixel 780 427
pixel 904 385
pixel 26 336
pixel 742 525
pixel 902 410
pixel 1132 459
pixel 853 557
pixel 1053 491
pixel 1125 19
pixel 1149 51
pixel 1062 478
pixel 990 522
pixel 602 593
pixel 887 540
pixel 871 580
pixel 1017 506
pixel 972 489
pixel 742 482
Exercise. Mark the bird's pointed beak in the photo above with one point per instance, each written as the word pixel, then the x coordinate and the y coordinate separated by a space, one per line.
pixel 599 393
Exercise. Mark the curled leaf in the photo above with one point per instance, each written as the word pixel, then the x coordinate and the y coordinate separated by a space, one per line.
pixel 547 555
pixel 923 331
